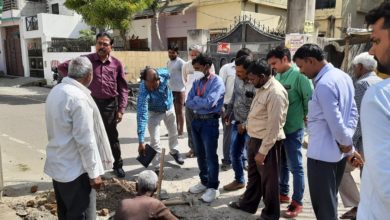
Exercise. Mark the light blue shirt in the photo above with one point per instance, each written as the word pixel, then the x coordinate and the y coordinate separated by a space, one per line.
pixel 210 99
pixel 375 120
pixel 332 116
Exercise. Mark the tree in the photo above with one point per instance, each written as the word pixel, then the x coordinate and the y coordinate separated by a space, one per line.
pixel 109 14
pixel 157 7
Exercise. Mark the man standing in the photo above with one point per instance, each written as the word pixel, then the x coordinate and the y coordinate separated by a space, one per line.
pixel 299 90
pixel 189 76
pixel 110 92
pixel 206 100
pixel 228 75
pixel 75 131
pixel 176 83
pixel 144 206
pixel 364 67
pixel 239 108
pixel 266 119
pixel 155 104
pixel 332 120
pixel 375 119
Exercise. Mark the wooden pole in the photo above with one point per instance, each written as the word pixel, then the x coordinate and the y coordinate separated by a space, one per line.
pixel 160 173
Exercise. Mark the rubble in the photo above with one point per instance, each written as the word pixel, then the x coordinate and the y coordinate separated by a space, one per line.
pixel 43 205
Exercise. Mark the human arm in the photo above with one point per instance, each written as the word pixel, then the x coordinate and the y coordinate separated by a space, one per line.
pixel 214 91
pixel 142 112
pixel 328 101
pixel 83 133
pixel 185 71
pixel 123 91
pixel 163 213
pixel 63 68
pixel 276 105
pixel 306 91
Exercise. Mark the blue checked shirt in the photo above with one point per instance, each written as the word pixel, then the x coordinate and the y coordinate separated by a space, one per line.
pixel 159 100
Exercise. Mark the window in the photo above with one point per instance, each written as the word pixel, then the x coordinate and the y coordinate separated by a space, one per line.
pixel 55 9
pixel 181 42
pixel 323 4
pixel 256 8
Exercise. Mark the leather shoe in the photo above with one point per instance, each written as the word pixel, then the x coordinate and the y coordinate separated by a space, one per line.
pixel 234 186
pixel 119 172
pixel 177 158
pixel 351 214
pixel 234 205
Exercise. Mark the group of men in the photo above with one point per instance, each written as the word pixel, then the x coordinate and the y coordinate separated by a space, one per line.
pixel 271 100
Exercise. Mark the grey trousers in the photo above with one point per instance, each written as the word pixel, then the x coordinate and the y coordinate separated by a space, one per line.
pixel 169 119
pixel 76 200
pixel 324 180
pixel 348 190
pixel 189 118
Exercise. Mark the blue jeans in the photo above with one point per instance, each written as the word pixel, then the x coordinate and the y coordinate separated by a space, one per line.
pixel 238 153
pixel 205 135
pixel 291 160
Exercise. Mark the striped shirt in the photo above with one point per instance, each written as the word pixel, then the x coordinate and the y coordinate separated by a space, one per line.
pixel 159 100
pixel 361 85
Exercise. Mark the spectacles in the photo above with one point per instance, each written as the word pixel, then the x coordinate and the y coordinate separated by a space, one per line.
pixel 103 44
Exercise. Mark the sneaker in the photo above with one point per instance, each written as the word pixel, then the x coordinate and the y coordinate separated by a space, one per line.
pixel 210 195
pixel 178 158
pixel 284 199
pixel 225 167
pixel 119 172
pixel 198 188
pixel 293 210
pixel 234 186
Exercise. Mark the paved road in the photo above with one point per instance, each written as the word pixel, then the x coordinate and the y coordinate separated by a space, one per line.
pixel 23 139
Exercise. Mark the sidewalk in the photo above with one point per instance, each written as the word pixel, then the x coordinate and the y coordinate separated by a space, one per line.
pixel 15 81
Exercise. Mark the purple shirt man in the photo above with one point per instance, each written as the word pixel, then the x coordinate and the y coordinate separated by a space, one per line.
pixel 109 90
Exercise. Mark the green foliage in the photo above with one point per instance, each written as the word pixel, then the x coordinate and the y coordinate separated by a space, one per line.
pixel 88 36
pixel 108 14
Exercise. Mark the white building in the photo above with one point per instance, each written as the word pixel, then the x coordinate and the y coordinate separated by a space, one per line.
pixel 26 29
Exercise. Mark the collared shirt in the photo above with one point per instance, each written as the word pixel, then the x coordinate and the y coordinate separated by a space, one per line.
pixel 108 79
pixel 268 114
pixel 190 75
pixel 228 75
pixel 159 100
pixel 72 148
pixel 299 89
pixel 361 85
pixel 375 119
pixel 333 116
pixel 142 208
pixel 206 95
pixel 176 83
pixel 240 104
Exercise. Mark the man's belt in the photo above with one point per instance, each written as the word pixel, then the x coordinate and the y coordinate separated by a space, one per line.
pixel 206 116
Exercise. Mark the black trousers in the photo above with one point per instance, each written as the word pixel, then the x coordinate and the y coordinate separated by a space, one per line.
pixel 76 200
pixel 108 109
pixel 324 181
pixel 263 181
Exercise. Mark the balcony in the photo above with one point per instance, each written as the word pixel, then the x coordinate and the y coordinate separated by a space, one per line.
pixel 271 3
pixel 32 23
pixel 10 5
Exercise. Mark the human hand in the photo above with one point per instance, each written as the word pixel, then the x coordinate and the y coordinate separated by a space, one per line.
pixel 96 182
pixel 259 158
pixel 119 116
pixel 356 160
pixel 141 149
pixel 241 129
